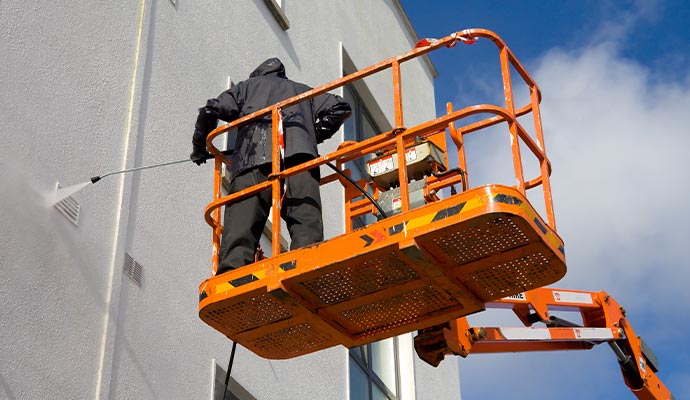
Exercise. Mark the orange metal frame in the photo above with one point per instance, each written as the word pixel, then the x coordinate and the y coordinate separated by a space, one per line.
pixel 421 267
pixel 603 321
pixel 399 136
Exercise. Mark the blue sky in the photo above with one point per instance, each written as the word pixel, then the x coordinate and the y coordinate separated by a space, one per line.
pixel 615 82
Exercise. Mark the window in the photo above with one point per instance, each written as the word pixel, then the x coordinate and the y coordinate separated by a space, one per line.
pixel 358 127
pixel 374 373
pixel 277 8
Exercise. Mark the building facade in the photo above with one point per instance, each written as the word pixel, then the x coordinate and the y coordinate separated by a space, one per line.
pixel 99 298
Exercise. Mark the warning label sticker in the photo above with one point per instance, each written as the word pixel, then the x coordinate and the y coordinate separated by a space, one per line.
pixel 518 296
pixel 572 297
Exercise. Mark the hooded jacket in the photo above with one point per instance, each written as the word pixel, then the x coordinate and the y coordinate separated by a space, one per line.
pixel 304 124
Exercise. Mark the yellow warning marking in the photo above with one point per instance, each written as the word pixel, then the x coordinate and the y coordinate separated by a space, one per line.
pixel 554 240
pixel 260 274
pixel 549 235
pixel 473 203
pixel 523 206
pixel 420 221
pixel 426 219
pixel 223 287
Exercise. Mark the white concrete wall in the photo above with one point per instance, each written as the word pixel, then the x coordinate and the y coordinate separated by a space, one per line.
pixel 91 87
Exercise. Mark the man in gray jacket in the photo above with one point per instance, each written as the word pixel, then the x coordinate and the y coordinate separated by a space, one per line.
pixel 304 125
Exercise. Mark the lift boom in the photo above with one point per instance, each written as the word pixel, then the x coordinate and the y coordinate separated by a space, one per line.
pixel 603 319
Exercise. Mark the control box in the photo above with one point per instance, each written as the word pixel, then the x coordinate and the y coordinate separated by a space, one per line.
pixel 422 159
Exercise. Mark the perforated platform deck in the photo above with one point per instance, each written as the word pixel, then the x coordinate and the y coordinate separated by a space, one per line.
pixel 431 265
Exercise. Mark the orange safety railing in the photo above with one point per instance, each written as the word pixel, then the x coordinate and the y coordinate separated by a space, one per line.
pixel 397 138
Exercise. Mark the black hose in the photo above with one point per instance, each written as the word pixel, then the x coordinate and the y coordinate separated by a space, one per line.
pixel 463 176
pixel 227 373
pixel 361 189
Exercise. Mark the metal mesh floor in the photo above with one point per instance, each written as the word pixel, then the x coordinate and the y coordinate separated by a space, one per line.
pixel 495 256
pixel 397 311
pixel 292 341
pixel 481 239
pixel 246 314
pixel 354 278
pixel 450 267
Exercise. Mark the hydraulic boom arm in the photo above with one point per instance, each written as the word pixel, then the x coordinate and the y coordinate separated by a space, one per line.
pixel 603 319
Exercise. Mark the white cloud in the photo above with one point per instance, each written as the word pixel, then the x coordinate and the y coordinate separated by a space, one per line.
pixel 622 20
pixel 618 143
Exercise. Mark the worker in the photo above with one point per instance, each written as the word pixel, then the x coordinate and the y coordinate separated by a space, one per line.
pixel 304 124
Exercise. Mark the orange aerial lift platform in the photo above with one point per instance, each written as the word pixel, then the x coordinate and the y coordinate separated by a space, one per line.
pixel 420 246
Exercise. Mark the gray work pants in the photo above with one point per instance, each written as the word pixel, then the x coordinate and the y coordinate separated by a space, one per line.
pixel 244 220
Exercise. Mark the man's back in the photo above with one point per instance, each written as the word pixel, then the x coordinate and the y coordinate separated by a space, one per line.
pixel 268 85
pixel 305 124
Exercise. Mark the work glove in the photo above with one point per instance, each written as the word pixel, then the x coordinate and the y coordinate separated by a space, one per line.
pixel 199 154
pixel 324 129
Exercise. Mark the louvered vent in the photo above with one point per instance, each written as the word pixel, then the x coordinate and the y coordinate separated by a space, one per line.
pixel 132 269
pixel 69 208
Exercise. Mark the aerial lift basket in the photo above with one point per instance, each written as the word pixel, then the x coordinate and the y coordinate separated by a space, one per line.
pixel 404 273
pixel 420 267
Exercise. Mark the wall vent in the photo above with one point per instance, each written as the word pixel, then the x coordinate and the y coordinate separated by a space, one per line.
pixel 132 269
pixel 69 208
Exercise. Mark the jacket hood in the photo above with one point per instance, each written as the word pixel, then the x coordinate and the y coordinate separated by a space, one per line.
pixel 268 67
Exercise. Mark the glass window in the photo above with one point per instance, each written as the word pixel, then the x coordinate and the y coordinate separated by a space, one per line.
pixel 359 384
pixel 358 127
pixel 374 372
pixel 352 123
pixel 277 8
pixel 369 129
pixel 383 362
pixel 378 394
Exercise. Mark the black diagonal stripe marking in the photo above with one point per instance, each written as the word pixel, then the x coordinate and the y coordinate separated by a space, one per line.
pixel 448 212
pixel 202 295
pixel 395 229
pixel 561 249
pixel 504 198
pixel 367 239
pixel 243 280
pixel 539 224
pixel 286 266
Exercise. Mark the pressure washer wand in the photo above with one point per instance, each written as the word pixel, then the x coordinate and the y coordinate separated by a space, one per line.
pixel 98 178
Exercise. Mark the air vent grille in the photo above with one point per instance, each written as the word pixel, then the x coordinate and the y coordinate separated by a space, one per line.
pixel 132 269
pixel 69 208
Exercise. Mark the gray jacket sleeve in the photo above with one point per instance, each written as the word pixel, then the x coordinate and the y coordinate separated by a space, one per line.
pixel 330 111
pixel 226 107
